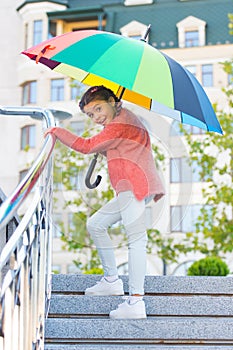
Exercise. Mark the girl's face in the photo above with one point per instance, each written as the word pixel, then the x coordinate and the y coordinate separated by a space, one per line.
pixel 100 111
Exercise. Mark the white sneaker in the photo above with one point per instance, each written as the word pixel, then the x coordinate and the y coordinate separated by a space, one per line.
pixel 126 310
pixel 103 287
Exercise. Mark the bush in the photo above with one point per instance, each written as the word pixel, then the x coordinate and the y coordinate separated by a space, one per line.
pixel 94 271
pixel 209 266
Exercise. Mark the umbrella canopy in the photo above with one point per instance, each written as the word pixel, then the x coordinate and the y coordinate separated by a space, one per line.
pixel 134 70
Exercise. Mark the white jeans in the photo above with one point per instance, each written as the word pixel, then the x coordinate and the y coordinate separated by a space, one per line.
pixel 127 208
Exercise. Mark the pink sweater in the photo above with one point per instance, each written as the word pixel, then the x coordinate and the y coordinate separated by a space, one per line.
pixel 126 143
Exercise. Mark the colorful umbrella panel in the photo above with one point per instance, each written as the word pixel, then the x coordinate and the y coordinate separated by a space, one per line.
pixel 134 70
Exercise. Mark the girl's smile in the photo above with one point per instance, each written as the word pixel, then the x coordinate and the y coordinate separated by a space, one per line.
pixel 100 111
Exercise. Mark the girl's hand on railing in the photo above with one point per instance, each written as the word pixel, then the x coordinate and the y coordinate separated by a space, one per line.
pixel 50 131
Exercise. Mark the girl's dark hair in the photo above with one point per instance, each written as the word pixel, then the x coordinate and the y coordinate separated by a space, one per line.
pixel 96 93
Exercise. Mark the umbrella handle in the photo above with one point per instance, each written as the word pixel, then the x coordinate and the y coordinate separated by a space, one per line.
pixel 89 174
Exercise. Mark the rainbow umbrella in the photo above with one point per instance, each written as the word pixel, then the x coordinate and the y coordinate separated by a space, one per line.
pixel 134 70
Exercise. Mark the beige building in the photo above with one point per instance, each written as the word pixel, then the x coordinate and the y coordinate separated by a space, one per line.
pixel 24 83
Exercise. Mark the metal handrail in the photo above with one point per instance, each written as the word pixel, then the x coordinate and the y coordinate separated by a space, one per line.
pixel 25 261
pixel 12 203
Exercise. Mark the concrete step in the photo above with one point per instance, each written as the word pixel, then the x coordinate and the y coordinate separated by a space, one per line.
pixel 154 285
pixel 121 346
pixel 184 313
pixel 82 305
pixel 152 330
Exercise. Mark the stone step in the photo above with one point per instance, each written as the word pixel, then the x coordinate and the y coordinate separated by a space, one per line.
pixel 184 313
pixel 155 285
pixel 202 305
pixel 134 347
pixel 153 330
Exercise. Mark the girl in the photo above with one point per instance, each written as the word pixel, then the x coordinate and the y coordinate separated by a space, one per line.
pixel 126 144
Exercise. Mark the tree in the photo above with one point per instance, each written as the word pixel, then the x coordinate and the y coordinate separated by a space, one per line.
pixel 214 155
pixel 230 25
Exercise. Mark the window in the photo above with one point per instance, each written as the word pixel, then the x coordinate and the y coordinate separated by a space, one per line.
pixel 29 92
pixel 194 130
pixel 196 177
pixel 26 35
pixel 57 186
pixel 37 31
pixel 180 170
pixel 191 32
pixel 137 2
pixel 230 79
pixel 76 227
pixel 74 183
pixel 136 36
pixel 192 69
pixel 76 179
pixel 176 131
pixel 184 218
pixel 28 136
pixel 207 75
pixel 57 221
pixel 191 38
pixel 77 89
pixel 57 90
pixel 134 29
pixel 71 225
pixel 52 29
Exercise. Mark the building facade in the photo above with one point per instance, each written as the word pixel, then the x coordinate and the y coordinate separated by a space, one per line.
pixel 193 32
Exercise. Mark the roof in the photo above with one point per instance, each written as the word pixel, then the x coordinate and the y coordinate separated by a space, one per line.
pixel 60 2
pixel 163 15
pixel 87 3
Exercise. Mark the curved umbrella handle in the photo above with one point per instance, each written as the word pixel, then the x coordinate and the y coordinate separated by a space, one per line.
pixel 89 173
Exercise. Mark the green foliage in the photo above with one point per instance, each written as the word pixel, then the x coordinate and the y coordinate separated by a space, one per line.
pixel 214 227
pixel 94 271
pixel 230 25
pixel 209 266
pixel 167 248
pixel 158 155
pixel 93 266
pixel 214 155
pixel 26 148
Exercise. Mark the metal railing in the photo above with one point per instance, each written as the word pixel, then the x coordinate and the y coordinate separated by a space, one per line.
pixel 25 260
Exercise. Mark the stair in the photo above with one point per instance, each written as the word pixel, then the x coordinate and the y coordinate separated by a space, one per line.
pixel 184 313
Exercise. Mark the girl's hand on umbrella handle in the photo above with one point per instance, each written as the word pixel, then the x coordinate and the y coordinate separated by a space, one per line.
pixel 50 131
